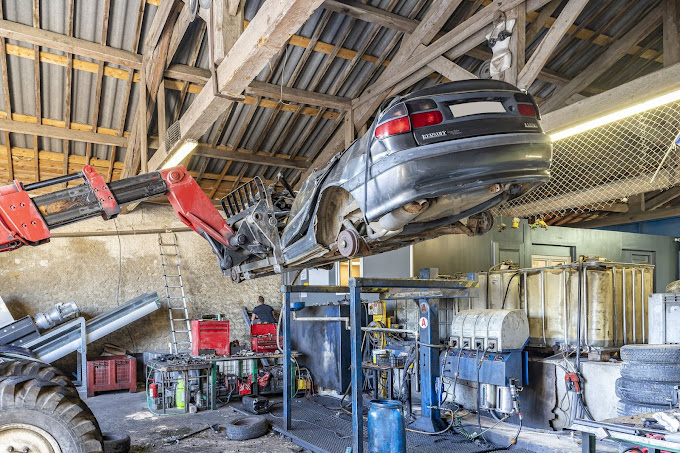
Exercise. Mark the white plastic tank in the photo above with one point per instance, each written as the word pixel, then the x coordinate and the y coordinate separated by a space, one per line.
pixel 495 330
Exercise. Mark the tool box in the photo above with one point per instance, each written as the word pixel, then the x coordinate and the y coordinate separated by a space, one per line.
pixel 263 338
pixel 209 337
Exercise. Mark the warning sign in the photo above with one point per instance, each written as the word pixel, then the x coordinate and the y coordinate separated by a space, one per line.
pixel 423 323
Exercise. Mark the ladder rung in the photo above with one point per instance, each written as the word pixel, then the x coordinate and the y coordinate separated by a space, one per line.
pixel 182 331
pixel 179 319
pixel 177 308
pixel 171 275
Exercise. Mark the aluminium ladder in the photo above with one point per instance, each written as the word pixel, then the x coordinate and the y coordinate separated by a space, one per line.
pixel 180 324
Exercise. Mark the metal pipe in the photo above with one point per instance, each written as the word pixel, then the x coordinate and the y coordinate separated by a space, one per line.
pixel 545 342
pixel 344 319
pixel 625 305
pixel 564 307
pixel 616 318
pixel 386 329
pixel 53 181
pixel 643 302
pixel 526 305
pixel 632 288
pixel 578 314
pixel 585 305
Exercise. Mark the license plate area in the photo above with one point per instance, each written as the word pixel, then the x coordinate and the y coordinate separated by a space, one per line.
pixel 476 108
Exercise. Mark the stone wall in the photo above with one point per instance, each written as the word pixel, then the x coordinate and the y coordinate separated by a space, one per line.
pixel 99 269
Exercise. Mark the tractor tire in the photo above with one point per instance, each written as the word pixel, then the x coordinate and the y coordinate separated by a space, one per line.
pixel 246 428
pixel 651 353
pixel 37 370
pixel 624 408
pixel 664 372
pixel 645 392
pixel 43 416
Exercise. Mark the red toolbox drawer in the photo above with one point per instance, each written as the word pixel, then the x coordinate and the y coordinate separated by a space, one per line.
pixel 209 337
pixel 116 372
pixel 263 338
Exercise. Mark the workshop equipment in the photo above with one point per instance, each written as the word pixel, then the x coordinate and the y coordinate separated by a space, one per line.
pixel 386 427
pixel 263 338
pixel 614 301
pixel 57 315
pixel 116 372
pixel 255 404
pixel 209 337
pixel 487 347
pixel 182 381
pixel 664 318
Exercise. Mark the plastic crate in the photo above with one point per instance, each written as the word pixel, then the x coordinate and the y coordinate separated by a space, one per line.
pixel 117 372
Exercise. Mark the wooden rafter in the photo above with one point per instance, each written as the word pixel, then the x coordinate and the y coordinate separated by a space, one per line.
pixel 100 78
pixel 68 97
pixel 8 100
pixel 610 56
pixel 38 98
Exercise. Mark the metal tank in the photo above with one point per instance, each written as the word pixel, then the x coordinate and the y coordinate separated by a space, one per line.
pixel 614 302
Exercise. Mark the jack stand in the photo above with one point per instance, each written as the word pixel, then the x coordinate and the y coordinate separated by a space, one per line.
pixel 428 324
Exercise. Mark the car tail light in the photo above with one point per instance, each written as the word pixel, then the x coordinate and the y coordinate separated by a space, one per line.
pixel 393 127
pixel 526 110
pixel 426 118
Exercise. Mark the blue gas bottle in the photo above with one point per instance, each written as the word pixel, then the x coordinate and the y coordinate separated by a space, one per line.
pixel 386 428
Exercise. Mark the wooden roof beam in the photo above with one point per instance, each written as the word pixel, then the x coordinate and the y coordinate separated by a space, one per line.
pixel 610 56
pixel 266 34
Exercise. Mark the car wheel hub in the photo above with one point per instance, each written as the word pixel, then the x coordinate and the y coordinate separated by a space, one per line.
pixel 20 437
pixel 348 243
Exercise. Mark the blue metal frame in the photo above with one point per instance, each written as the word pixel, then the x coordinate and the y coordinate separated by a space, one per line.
pixel 429 363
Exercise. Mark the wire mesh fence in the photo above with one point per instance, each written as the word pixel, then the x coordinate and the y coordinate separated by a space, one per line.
pixel 593 169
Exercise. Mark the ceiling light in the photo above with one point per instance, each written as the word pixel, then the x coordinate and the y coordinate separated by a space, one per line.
pixel 610 118
pixel 176 157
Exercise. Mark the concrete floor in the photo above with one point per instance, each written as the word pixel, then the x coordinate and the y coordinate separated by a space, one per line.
pixel 124 412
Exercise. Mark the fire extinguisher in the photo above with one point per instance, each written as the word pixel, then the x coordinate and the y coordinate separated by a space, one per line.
pixel 153 390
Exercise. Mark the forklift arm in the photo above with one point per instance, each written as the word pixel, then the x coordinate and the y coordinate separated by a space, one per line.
pixel 26 220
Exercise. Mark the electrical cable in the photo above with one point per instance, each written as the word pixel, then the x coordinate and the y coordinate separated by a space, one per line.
pixel 505 296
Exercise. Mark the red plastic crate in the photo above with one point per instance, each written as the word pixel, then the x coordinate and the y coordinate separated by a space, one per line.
pixel 209 337
pixel 117 372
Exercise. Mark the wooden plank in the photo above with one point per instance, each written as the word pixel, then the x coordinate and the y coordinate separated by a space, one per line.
pixel 100 76
pixel 272 26
pixel 349 128
pixel 38 98
pixel 369 13
pixel 549 42
pixel 227 27
pixel 143 114
pixel 517 43
pixel 620 219
pixel 251 157
pixel 158 25
pixel 634 92
pixel 671 32
pixel 454 37
pixel 8 101
pixel 68 98
pixel 541 20
pixel 180 29
pixel 68 44
pixel 297 95
pixel 160 106
pixel 662 198
pixel 610 56
pixel 19 127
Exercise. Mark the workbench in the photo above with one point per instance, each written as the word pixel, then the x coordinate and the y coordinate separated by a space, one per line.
pixel 215 359
pixel 629 430
pixel 167 368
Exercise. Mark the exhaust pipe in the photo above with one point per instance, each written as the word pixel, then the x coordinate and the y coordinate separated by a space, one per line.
pixel 394 222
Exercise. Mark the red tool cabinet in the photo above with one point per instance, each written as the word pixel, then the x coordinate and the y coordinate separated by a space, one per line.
pixel 209 337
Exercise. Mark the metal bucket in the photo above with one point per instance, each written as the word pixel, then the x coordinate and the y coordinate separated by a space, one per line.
pixel 386 428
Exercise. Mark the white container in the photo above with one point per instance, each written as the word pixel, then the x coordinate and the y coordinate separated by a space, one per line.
pixel 490 329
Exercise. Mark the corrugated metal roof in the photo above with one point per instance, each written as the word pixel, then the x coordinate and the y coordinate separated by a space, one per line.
pixel 253 127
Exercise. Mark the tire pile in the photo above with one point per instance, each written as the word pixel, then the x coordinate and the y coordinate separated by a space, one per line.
pixel 649 374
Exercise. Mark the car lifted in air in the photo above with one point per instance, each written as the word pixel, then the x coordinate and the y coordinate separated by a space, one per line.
pixel 433 162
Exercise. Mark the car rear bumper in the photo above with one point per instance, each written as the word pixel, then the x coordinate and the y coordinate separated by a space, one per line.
pixel 449 167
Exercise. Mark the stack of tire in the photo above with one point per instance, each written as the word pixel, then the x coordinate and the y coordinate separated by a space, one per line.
pixel 649 374
pixel 39 406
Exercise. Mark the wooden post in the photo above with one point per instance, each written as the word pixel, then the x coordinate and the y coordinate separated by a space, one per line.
pixel 671 32
pixel 142 124
pixel 517 43
pixel 349 128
